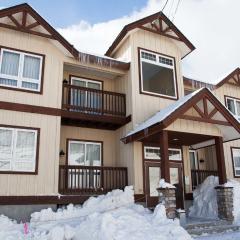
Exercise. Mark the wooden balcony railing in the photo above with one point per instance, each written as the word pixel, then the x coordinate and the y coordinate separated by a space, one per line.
pixel 92 101
pixel 198 176
pixel 91 179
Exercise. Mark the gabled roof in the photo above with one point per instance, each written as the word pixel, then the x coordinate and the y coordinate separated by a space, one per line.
pixel 232 78
pixel 157 23
pixel 24 18
pixel 217 114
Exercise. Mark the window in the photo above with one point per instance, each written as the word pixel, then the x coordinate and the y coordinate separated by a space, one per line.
pixel 84 153
pixel 233 106
pixel 20 70
pixel 157 74
pixel 18 149
pixel 154 153
pixel 236 161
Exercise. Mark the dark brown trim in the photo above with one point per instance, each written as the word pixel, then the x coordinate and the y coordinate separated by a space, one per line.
pixel 139 198
pixel 140 76
pixel 83 140
pixel 231 148
pixel 228 77
pixel 189 196
pixel 37 150
pixel 47 199
pixel 148 19
pixel 42 71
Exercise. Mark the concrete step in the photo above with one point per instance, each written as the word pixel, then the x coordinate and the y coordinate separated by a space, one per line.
pixel 212 229
pixel 207 224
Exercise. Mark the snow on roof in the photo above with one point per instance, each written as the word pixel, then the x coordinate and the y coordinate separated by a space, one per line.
pixel 161 115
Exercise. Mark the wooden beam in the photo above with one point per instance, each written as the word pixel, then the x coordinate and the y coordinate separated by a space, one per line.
pixel 14 20
pixel 220 160
pixel 33 25
pixel 212 113
pixel 24 19
pixel 205 108
pixel 199 111
pixel 165 166
pixel 160 25
pixel 206 120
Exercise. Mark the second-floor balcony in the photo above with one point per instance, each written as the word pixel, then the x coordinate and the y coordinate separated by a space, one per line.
pixel 92 107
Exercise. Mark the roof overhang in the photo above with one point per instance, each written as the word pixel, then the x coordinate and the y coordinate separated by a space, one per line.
pixel 157 23
pixel 208 109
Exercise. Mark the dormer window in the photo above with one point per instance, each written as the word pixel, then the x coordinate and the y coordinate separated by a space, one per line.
pixel 20 70
pixel 158 76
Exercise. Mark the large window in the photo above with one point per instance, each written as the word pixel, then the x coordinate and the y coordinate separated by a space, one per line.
pixel 233 105
pixel 236 161
pixel 153 153
pixel 157 74
pixel 18 149
pixel 84 153
pixel 20 70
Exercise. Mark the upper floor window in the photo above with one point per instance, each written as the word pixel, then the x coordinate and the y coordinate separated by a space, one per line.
pixel 20 70
pixel 157 74
pixel 236 161
pixel 18 149
pixel 233 105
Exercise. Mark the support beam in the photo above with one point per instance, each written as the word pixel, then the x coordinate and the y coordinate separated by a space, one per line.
pixel 220 160
pixel 165 167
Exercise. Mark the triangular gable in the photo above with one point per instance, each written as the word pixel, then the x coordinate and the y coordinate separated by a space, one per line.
pixel 25 19
pixel 233 78
pixel 206 107
pixel 157 23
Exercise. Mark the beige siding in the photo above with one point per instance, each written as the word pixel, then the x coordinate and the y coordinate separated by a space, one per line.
pixel 107 137
pixel 46 181
pixel 187 168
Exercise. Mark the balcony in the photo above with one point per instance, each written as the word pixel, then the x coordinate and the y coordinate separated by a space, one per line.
pixel 93 108
pixel 91 180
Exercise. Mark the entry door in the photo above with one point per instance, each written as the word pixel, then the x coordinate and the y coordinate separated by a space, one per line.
pixel 86 99
pixel 152 177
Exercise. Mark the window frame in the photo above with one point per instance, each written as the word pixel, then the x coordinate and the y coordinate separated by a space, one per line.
pixel 233 162
pixel 85 141
pixel 234 100
pixel 37 146
pixel 80 78
pixel 141 90
pixel 20 79
pixel 159 159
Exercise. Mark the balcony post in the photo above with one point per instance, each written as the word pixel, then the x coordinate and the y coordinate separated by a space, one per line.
pixel 165 167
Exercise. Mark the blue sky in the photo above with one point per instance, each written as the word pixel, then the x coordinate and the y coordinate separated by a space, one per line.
pixel 62 13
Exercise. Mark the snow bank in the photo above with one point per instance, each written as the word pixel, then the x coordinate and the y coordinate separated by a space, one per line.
pixel 163 184
pixel 236 198
pixel 205 199
pixel 113 216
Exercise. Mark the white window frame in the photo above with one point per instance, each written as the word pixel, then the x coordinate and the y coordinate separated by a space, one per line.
pixel 86 80
pixel 158 64
pixel 195 158
pixel 13 160
pixel 85 143
pixel 234 167
pixel 235 100
pixel 20 77
pixel 159 158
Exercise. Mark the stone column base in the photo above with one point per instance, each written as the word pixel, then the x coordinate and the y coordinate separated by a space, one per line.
pixel 167 197
pixel 225 203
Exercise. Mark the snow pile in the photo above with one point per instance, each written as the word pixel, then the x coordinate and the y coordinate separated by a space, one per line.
pixel 113 216
pixel 163 184
pixel 116 198
pixel 205 199
pixel 236 198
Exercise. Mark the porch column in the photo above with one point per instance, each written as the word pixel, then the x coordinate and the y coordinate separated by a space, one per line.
pixel 165 168
pixel 220 160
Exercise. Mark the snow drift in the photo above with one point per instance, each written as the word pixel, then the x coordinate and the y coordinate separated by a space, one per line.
pixel 113 216
pixel 205 199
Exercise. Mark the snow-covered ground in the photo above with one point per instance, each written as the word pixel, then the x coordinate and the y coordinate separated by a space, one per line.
pixel 222 236
pixel 113 216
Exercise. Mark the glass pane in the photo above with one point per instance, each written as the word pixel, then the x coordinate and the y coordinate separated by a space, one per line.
pixel 192 160
pixel 4 165
pixel 25 146
pixel 30 85
pixel 154 177
pixel 152 153
pixel 158 79
pixel 80 83
pixel 10 63
pixel 230 106
pixel 8 82
pixel 174 178
pixel 5 144
pixel 93 157
pixel 76 154
pixel 94 85
pixel 238 108
pixel 31 68
pixel 174 155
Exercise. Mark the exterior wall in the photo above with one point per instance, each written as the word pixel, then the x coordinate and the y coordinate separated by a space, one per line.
pixel 208 154
pixel 53 69
pixel 46 181
pixel 107 137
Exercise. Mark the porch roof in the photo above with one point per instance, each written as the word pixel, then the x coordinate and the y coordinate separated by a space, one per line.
pixel 209 108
